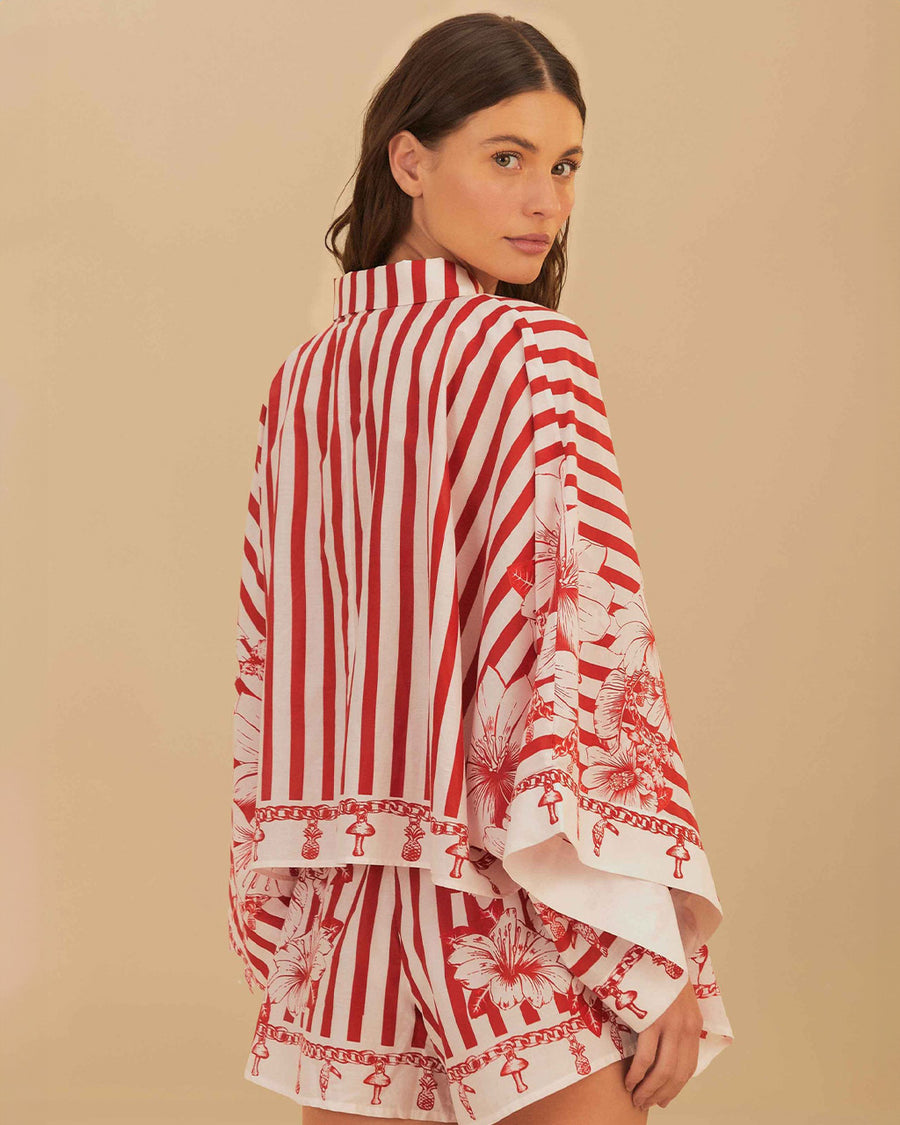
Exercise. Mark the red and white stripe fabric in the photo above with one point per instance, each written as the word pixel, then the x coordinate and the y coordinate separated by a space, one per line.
pixel 428 1003
pixel 445 654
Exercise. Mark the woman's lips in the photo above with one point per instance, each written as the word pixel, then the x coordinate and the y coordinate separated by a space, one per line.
pixel 529 245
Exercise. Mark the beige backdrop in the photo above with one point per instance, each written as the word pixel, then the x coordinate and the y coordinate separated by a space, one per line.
pixel 170 170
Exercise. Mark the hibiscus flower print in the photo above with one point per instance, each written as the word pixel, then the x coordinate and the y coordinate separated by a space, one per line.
pixel 628 766
pixel 299 965
pixel 251 658
pixel 242 844
pixel 635 638
pixel 640 667
pixel 510 964
pixel 619 777
pixel 546 546
pixel 635 698
pixel 495 746
pixel 567 575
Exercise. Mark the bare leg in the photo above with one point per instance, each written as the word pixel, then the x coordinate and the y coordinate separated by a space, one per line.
pixel 599 1098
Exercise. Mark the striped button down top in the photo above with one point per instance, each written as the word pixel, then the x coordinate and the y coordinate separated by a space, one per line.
pixel 445 656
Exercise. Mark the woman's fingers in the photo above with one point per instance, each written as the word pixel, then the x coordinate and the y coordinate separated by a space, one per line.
pixel 688 1055
pixel 674 1039
pixel 660 1072
pixel 676 1061
pixel 643 1057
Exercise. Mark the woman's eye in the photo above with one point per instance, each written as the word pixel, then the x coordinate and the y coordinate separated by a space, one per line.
pixel 572 164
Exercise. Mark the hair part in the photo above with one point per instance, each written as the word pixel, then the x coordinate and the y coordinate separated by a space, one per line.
pixel 454 69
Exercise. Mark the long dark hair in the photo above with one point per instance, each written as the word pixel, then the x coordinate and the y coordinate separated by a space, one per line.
pixel 454 69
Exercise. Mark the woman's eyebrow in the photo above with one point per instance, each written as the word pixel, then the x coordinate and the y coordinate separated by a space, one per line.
pixel 522 143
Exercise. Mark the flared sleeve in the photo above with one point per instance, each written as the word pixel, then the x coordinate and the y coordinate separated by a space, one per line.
pixel 257 903
pixel 598 824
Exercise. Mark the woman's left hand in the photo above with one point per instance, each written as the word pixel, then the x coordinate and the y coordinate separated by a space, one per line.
pixel 667 1052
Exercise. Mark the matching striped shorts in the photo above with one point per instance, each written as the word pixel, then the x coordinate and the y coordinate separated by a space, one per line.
pixel 393 997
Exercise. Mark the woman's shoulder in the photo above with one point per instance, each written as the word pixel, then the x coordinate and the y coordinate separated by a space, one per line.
pixel 534 324
pixel 529 312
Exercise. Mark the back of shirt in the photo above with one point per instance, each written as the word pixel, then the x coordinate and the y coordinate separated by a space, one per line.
pixel 445 654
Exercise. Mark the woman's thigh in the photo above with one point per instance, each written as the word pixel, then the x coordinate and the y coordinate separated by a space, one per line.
pixel 312 1115
pixel 598 1097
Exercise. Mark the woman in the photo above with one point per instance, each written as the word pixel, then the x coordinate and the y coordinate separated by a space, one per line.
pixel 465 868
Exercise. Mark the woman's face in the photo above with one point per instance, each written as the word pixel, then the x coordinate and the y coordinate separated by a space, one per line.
pixel 477 192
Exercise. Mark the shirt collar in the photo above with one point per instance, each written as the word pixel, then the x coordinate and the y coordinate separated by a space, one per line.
pixel 410 281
